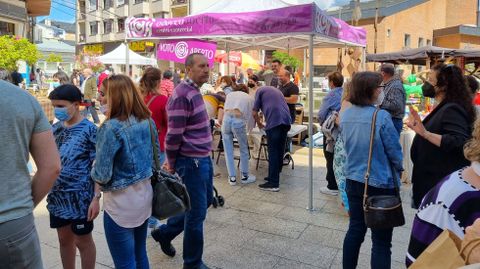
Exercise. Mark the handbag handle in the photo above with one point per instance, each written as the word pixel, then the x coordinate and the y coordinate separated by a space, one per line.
pixel 473 243
pixel 154 146
pixel 369 162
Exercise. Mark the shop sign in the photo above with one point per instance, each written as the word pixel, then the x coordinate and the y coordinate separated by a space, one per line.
pixel 178 50
pixel 93 49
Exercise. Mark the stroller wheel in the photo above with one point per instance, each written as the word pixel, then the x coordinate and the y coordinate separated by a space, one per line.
pixel 215 202
pixel 221 200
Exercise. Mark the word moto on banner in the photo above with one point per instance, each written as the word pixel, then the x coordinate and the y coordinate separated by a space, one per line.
pixel 178 50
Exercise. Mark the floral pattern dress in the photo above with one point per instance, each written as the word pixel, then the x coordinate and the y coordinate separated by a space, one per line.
pixel 339 159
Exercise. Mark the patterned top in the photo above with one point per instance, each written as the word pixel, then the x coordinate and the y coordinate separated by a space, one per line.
pixel 452 204
pixel 395 99
pixel 189 131
pixel 72 193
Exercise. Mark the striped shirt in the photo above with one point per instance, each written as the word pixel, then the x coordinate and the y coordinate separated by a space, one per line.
pixel 452 204
pixel 189 131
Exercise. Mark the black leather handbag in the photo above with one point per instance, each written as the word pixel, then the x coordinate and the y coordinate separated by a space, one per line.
pixel 170 196
pixel 381 211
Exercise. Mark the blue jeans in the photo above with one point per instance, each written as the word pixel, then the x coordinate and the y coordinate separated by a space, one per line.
pixel 276 139
pixel 128 246
pixel 197 175
pixel 381 238
pixel 398 124
pixel 231 127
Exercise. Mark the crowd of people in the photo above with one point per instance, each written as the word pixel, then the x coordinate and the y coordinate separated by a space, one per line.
pixel 79 162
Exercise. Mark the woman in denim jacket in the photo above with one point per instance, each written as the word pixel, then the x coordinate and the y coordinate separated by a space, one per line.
pixel 385 166
pixel 123 168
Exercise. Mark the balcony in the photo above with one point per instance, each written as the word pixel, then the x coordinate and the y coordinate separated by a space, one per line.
pixel 94 38
pixel 175 3
pixel 139 8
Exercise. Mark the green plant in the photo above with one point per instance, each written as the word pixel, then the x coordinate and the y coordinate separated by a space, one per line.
pixel 286 59
pixel 53 58
pixel 13 49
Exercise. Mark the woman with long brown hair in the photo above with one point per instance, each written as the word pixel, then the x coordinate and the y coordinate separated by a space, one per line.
pixel 123 168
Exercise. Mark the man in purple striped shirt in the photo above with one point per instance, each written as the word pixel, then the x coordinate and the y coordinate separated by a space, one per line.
pixel 188 146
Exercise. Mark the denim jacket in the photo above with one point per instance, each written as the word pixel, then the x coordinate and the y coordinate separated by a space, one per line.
pixel 124 153
pixel 387 152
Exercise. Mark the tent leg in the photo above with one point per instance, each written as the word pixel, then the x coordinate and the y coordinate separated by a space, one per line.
pixel 364 59
pixel 310 124
pixel 127 57
pixel 228 61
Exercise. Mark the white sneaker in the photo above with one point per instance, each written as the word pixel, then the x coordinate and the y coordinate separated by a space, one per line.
pixel 328 191
pixel 249 179
pixel 232 181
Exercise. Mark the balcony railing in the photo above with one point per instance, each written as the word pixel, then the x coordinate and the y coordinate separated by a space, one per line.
pixel 179 2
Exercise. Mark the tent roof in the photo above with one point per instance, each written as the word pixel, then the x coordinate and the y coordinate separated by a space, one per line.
pixel 261 24
pixel 413 56
pixel 117 56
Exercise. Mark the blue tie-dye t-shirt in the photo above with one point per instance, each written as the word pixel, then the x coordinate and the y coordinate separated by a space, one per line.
pixel 73 191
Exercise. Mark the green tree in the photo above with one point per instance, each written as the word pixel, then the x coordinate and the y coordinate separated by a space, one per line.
pixel 13 49
pixel 286 59
pixel 53 58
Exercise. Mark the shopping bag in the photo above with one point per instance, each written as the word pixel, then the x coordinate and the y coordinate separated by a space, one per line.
pixel 442 253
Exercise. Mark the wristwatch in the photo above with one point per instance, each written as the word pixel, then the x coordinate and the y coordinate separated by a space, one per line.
pixel 98 195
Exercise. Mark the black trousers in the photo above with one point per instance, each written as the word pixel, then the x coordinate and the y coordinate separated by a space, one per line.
pixel 332 183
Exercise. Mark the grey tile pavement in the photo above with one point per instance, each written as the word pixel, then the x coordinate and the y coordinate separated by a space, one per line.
pixel 257 229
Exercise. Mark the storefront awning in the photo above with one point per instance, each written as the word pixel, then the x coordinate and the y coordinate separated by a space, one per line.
pixel 38 7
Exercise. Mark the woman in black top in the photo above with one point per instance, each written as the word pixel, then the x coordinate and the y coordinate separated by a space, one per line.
pixel 437 149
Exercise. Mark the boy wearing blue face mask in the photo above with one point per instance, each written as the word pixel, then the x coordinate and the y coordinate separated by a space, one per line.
pixel 73 202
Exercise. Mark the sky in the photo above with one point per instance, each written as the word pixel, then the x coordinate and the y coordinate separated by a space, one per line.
pixel 64 10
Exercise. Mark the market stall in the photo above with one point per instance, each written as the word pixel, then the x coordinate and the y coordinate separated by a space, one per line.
pixel 258 25
pixel 118 56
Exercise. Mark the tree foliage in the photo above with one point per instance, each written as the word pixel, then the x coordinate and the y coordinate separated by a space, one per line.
pixel 13 49
pixel 286 59
pixel 53 58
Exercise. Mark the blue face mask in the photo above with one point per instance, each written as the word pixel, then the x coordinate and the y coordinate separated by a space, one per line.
pixel 61 113
pixel 55 84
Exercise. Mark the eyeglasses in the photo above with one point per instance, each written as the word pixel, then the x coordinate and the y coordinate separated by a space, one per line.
pixel 102 94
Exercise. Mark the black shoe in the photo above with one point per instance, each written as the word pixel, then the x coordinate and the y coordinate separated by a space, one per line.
pixel 269 186
pixel 201 266
pixel 266 179
pixel 166 247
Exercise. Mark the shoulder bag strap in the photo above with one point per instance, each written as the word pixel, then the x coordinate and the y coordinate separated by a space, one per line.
pixel 369 162
pixel 151 100
pixel 154 146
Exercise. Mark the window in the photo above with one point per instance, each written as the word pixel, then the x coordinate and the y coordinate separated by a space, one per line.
pixel 120 2
pixel 93 5
pixel 94 28
pixel 7 28
pixel 389 32
pixel 107 4
pixel 429 42
pixel 139 1
pixel 406 41
pixel 121 25
pixel 107 26
pixel 421 42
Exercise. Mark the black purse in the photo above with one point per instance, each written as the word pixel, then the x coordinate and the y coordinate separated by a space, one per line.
pixel 381 211
pixel 170 196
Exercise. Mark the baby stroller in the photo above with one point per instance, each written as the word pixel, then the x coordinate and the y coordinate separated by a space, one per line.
pixel 218 200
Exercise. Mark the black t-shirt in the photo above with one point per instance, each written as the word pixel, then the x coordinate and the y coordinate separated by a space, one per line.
pixel 288 90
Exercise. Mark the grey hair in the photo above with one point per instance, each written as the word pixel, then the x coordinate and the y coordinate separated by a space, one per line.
pixel 4 74
pixel 388 69
pixel 62 77
pixel 189 61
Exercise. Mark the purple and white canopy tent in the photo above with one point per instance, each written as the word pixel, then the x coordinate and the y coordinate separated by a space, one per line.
pixel 258 24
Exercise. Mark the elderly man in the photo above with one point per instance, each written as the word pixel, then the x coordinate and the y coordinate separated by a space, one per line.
pixel 24 129
pixel 89 91
pixel 271 78
pixel 188 147
pixel 271 102
pixel 394 100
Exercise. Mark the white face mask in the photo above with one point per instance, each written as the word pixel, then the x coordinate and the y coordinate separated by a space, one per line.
pixel 380 98
pixel 104 109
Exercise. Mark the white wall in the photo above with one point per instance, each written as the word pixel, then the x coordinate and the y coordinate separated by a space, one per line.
pixel 197 6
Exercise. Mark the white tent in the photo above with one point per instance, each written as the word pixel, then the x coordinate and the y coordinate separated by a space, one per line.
pixel 118 56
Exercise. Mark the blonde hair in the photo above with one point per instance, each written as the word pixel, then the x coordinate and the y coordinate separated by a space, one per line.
pixel 124 99
pixel 471 150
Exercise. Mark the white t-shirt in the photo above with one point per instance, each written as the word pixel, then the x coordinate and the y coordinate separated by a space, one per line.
pixel 243 102
pixel 130 207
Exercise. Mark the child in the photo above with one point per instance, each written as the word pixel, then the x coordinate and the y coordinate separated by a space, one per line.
pixel 73 202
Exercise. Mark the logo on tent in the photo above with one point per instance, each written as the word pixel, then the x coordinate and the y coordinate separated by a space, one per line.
pixel 181 50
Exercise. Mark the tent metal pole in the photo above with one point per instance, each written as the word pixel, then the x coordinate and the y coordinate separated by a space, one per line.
pixel 228 60
pixel 310 123
pixel 364 59
pixel 127 57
